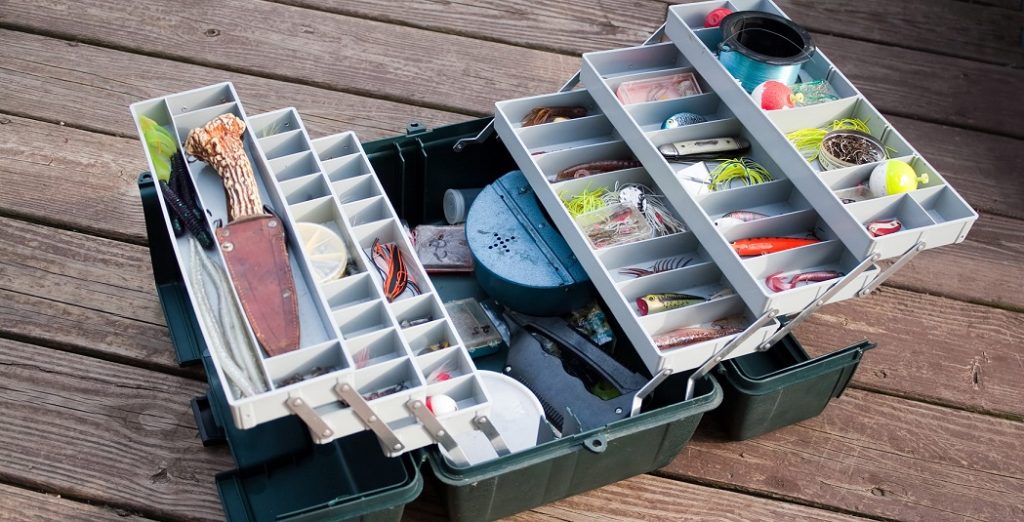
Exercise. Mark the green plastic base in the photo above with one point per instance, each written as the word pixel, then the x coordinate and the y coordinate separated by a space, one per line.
pixel 767 390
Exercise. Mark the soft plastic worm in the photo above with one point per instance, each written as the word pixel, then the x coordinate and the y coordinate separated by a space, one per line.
pixel 778 283
pixel 664 265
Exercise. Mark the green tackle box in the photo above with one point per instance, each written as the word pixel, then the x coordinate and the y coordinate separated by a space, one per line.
pixel 282 475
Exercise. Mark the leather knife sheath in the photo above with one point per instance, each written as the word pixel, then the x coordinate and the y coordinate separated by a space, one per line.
pixel 257 259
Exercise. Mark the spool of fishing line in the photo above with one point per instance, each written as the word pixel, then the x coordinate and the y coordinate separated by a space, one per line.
pixel 757 47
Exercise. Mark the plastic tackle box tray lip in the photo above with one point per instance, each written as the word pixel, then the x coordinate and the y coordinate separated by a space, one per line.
pixel 451 475
pixel 364 502
pixel 739 375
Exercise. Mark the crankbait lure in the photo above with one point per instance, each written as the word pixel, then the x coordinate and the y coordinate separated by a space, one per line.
pixel 682 119
pixel 655 303
pixel 595 167
pixel 691 335
pixel 746 170
pixel 161 145
pixel 778 283
pixel 540 115
pixel 756 246
pixel 739 216
pixel 884 227
pixel 663 265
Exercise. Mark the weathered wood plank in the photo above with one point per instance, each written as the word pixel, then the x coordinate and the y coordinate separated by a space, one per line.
pixel 343 53
pixel 985 33
pixel 87 87
pixel 22 505
pixel 990 258
pixel 117 435
pixel 648 497
pixel 81 180
pixel 83 293
pixel 930 347
pixel 880 456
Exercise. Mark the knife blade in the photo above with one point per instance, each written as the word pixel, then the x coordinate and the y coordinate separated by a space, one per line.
pixel 253 242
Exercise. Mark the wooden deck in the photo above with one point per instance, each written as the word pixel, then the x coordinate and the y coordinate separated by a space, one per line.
pixel 96 424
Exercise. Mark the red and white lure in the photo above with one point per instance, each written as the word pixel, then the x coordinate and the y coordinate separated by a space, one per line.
pixel 884 227
pixel 778 283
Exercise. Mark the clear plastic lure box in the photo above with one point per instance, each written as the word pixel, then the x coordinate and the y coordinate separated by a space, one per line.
pixel 349 331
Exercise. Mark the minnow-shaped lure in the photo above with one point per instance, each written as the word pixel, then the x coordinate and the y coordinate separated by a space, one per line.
pixel 739 216
pixel 654 303
pixel 756 246
pixel 691 335
pixel 884 227
pixel 658 267
pixel 778 283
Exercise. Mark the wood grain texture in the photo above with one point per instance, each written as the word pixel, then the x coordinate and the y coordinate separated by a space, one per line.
pixel 84 86
pixel 82 293
pixel 985 268
pixel 453 72
pixel 880 456
pixel 939 349
pixel 983 33
pixel 23 505
pixel 82 180
pixel 118 435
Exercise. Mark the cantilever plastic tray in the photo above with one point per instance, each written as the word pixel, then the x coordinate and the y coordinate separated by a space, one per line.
pixel 803 197
pixel 347 325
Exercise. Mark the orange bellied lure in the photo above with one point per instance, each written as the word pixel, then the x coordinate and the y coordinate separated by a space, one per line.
pixel 756 246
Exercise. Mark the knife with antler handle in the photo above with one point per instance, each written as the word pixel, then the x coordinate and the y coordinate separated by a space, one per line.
pixel 253 242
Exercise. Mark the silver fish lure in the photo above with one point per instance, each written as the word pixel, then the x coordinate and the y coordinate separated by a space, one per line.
pixel 739 216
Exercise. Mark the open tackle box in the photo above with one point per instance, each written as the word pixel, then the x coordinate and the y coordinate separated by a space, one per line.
pixel 327 448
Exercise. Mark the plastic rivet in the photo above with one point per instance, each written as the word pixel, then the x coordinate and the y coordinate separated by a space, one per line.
pixel 326 433
pixel 417 405
pixel 508 369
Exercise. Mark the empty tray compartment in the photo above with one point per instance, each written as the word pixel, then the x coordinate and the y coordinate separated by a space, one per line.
pixel 293 165
pixel 551 137
pixel 357 188
pixel 284 144
pixel 201 98
pixel 336 146
pixel 375 348
pixel 305 188
pixel 350 290
pixel 272 123
pixel 345 167
pixel 745 204
pixel 362 319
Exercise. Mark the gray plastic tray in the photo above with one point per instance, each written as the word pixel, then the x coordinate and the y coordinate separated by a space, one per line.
pixel 571 142
pixel 346 323
pixel 933 215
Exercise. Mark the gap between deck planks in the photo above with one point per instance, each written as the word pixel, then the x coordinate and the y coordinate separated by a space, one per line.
pixel 420 66
pixel 124 437
pixel 984 33
pixel 24 505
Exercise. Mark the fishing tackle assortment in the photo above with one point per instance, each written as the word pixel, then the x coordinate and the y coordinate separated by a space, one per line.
pixel 883 227
pixel 612 225
pixel 631 200
pixel 595 167
pixel 391 265
pixel 662 265
pixel 778 282
pixel 649 204
pixel 774 95
pixel 658 89
pixel 186 213
pixel 757 246
pixel 541 115
pixel 654 303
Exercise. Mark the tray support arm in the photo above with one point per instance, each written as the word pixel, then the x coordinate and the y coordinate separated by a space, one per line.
pixel 691 383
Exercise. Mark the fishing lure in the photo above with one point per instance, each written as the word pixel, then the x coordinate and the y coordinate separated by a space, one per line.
pixel 586 201
pixel 614 225
pixel 663 265
pixel 739 216
pixel 808 141
pixel 884 227
pixel 161 145
pixel 183 206
pixel 595 167
pixel 756 246
pixel 746 170
pixel 649 204
pixel 540 115
pixel 691 335
pixel 394 271
pixel 681 119
pixel 778 283
pixel 655 303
